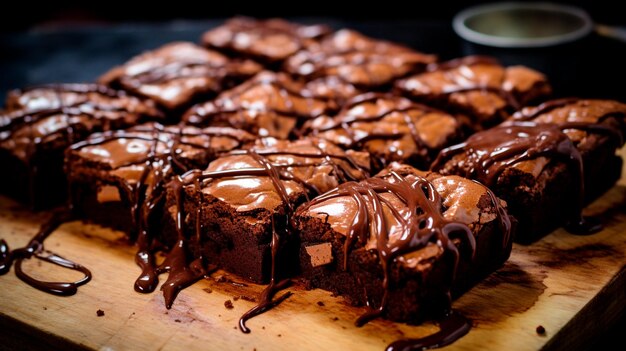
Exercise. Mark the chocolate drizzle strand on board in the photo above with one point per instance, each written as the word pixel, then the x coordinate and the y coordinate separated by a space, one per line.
pixel 35 249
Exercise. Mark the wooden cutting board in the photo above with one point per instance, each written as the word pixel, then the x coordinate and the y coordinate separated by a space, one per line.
pixel 573 286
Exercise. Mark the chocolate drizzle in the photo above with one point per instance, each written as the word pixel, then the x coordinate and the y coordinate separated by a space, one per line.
pixel 489 153
pixel 357 59
pixel 259 104
pixel 280 223
pixel 422 225
pixel 451 328
pixel 354 128
pixel 160 163
pixel 585 115
pixel 36 249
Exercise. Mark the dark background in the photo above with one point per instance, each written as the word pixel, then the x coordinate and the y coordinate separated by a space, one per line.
pixel 74 41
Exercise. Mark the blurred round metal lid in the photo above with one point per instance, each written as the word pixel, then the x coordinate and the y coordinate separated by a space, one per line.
pixel 522 25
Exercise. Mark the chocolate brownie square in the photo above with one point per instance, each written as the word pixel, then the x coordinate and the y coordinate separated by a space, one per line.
pixel 238 210
pixel 42 122
pixel 269 41
pixel 348 63
pixel 117 178
pixel 534 167
pixel 403 242
pixel 477 86
pixel 179 74
pixel 390 128
pixel 357 59
pixel 270 104
pixel 597 129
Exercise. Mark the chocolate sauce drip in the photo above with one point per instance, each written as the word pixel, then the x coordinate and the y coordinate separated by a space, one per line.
pixel 148 192
pixel 36 249
pixel 490 152
pixel 425 225
pixel 452 327
pixel 280 226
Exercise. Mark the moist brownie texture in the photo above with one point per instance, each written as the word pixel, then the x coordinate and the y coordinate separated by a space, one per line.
pixel 244 200
pixel 597 129
pixel 477 86
pixel 535 168
pixel 357 60
pixel 117 178
pixel 270 41
pixel 179 74
pixel 390 128
pixel 42 122
pixel 403 241
pixel 270 104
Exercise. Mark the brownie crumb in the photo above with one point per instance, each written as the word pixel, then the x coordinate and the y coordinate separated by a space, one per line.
pixel 177 320
pixel 541 330
pixel 320 303
pixel 208 290
pixel 236 297
pixel 100 313
pixel 228 304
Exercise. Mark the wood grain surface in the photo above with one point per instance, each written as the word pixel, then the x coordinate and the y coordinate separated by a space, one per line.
pixel 573 286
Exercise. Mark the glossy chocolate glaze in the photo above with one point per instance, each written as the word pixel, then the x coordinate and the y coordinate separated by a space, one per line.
pixel 35 249
pixel 451 328
pixel 270 104
pixel 52 117
pixel 477 85
pixel 579 117
pixel 269 40
pixel 147 157
pixel 175 74
pixel 279 167
pixel 391 128
pixel 413 230
pixel 400 214
pixel 357 59
pixel 489 153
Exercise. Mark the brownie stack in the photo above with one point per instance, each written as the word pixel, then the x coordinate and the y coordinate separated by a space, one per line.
pixel 274 149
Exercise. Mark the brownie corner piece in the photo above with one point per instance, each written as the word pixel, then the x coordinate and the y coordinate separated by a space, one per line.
pixel 345 255
pixel 117 178
pixel 41 122
pixel 178 74
pixel 534 167
pixel 596 127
